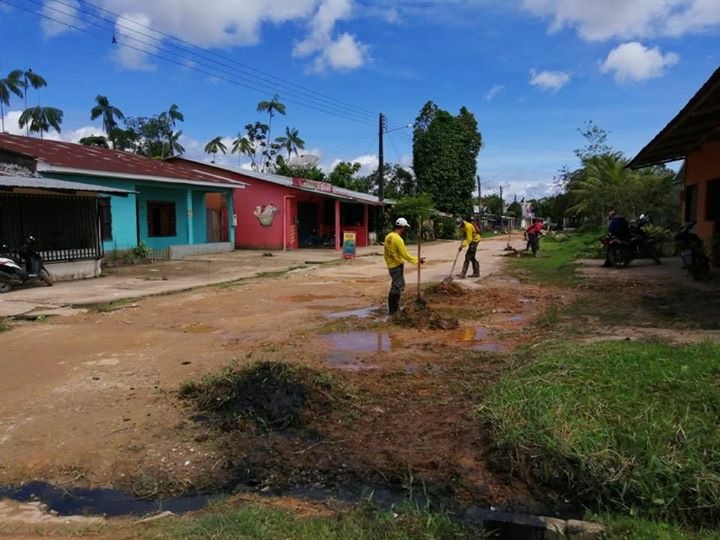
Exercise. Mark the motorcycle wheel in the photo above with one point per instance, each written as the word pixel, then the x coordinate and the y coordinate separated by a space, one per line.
pixel 617 257
pixel 45 277
pixel 5 287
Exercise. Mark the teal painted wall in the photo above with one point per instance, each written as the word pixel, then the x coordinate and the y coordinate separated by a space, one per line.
pixel 130 212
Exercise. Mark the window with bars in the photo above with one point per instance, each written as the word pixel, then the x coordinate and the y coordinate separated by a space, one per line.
pixel 105 211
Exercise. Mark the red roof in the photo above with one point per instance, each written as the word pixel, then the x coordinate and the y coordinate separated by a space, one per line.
pixel 96 161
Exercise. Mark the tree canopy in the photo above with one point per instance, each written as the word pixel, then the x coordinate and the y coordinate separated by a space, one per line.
pixel 445 150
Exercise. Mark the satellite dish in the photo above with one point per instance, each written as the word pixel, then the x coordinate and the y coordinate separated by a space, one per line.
pixel 304 161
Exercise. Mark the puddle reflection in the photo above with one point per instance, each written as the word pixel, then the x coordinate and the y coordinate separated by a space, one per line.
pixel 362 313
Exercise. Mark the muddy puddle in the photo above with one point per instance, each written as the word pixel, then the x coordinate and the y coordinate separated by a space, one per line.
pixel 362 313
pixel 478 338
pixel 98 501
pixel 350 349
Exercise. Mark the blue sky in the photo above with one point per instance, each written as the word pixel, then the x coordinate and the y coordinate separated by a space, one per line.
pixel 532 71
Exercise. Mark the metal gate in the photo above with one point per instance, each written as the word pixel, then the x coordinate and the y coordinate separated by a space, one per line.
pixel 67 228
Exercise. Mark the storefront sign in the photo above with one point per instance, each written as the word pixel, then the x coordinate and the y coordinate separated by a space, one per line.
pixel 315 185
pixel 348 245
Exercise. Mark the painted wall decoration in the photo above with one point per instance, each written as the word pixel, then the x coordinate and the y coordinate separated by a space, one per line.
pixel 265 214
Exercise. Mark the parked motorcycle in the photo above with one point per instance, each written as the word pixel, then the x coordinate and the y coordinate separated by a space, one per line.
pixel 636 245
pixel 692 252
pixel 28 266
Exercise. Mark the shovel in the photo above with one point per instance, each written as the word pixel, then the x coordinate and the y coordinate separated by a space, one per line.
pixel 450 277
pixel 419 301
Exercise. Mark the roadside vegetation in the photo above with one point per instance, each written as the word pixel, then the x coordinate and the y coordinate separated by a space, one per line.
pixel 629 429
pixel 366 523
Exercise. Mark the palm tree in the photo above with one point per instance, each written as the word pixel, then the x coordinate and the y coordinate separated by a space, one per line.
pixel 215 146
pixel 176 149
pixel 291 141
pixel 108 113
pixel 30 78
pixel 11 84
pixel 605 185
pixel 41 119
pixel 271 107
pixel 241 145
pixel 170 118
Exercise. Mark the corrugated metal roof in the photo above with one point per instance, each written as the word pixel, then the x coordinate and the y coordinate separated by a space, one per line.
pixel 55 185
pixel 336 193
pixel 696 123
pixel 71 158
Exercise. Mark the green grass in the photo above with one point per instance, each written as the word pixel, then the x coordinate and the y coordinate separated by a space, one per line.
pixel 633 528
pixel 4 326
pixel 257 522
pixel 555 263
pixel 628 427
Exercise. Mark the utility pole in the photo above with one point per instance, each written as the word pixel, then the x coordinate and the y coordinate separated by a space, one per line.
pixel 502 202
pixel 381 158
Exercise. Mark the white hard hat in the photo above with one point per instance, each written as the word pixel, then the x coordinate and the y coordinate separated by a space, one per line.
pixel 402 222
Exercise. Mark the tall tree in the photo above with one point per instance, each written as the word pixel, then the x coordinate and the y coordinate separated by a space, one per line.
pixel 169 119
pixel 271 107
pixel 41 119
pixel 12 84
pixel 108 112
pixel 98 141
pixel 445 149
pixel 241 146
pixel 254 144
pixel 291 142
pixel 30 78
pixel 214 146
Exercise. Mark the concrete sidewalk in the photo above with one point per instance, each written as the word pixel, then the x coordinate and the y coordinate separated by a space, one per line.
pixel 136 281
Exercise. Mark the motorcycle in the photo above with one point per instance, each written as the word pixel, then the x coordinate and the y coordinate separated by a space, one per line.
pixel 692 252
pixel 636 245
pixel 28 266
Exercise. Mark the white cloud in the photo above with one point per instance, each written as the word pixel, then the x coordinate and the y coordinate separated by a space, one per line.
pixel 599 20
pixel 135 43
pixel 227 23
pixel 494 91
pixel 342 52
pixel 79 133
pixel 633 62
pixel 11 121
pixel 549 80
pixel 59 16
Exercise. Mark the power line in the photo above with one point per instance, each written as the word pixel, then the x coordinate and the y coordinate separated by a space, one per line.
pixel 226 75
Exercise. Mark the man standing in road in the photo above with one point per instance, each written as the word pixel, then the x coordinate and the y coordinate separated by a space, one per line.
pixel 470 239
pixel 395 256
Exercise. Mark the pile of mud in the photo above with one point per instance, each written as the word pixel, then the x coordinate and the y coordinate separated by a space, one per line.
pixel 445 288
pixel 273 395
pixel 416 316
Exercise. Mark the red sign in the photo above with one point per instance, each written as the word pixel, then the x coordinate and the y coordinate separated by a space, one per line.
pixel 315 185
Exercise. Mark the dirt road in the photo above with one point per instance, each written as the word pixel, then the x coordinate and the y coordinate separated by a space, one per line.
pixel 91 399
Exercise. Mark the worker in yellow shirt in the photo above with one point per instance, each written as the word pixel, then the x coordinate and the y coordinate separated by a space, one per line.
pixel 395 256
pixel 470 239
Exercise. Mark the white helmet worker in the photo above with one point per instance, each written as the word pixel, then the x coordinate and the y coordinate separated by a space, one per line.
pixel 402 222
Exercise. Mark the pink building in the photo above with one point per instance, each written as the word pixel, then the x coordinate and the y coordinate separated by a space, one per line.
pixel 277 212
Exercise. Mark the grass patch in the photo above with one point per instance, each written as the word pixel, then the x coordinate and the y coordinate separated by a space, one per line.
pixel 263 523
pixel 115 305
pixel 4 326
pixel 274 395
pixel 632 427
pixel 555 263
pixel 277 273
pixel 633 528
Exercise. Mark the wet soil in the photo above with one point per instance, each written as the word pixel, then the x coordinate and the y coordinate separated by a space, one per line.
pixel 97 398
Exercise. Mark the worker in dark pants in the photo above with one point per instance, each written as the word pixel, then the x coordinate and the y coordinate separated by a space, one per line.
pixel 470 239
pixel 395 256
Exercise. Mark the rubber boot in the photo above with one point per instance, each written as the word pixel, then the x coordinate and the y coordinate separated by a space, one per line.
pixel 393 303
pixel 462 274
pixel 476 269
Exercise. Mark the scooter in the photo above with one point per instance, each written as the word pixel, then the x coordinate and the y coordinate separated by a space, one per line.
pixel 637 245
pixel 692 252
pixel 27 267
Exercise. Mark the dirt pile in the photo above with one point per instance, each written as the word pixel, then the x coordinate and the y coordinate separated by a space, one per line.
pixel 445 288
pixel 416 316
pixel 273 395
